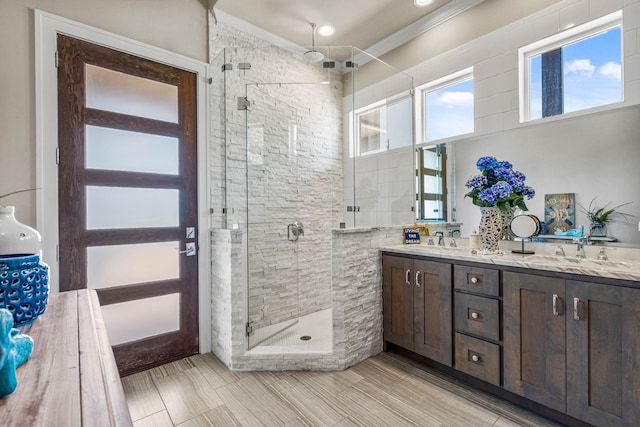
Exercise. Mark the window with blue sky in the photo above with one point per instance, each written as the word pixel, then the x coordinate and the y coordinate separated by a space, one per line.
pixel 448 110
pixel 591 70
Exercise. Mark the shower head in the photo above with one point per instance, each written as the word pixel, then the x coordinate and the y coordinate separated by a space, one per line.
pixel 313 55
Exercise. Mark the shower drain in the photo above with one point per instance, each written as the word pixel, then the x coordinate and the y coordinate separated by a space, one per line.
pixel 305 338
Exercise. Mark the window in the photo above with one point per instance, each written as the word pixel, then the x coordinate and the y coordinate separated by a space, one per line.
pixel 577 69
pixel 384 126
pixel 445 107
pixel 431 183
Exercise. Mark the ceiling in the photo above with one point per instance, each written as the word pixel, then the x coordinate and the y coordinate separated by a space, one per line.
pixel 384 24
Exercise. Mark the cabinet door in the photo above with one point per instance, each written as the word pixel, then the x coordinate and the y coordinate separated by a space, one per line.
pixel 603 360
pixel 397 300
pixel 432 297
pixel 534 338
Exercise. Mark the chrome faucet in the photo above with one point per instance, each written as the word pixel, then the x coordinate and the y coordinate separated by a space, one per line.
pixel 560 251
pixel 452 243
pixel 440 235
pixel 580 247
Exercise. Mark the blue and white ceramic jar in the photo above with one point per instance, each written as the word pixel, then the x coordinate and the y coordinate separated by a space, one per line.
pixel 24 278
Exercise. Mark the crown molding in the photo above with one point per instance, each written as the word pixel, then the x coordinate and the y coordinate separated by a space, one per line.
pixel 437 17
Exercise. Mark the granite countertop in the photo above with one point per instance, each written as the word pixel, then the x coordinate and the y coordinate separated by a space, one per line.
pixel 614 268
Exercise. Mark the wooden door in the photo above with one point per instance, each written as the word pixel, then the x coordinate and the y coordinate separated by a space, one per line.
pixel 127 198
pixel 432 314
pixel 534 338
pixel 397 298
pixel 603 358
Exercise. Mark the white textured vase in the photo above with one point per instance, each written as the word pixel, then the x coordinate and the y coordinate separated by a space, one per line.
pixel 15 237
pixel 491 228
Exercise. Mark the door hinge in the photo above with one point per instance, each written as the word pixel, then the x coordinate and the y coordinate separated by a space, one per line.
pixel 57 155
pixel 57 59
pixel 244 103
pixel 249 328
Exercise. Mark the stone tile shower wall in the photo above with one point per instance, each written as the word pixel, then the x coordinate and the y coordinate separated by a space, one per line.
pixel 289 179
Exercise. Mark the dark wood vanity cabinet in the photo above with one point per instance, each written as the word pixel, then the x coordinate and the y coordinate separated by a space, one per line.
pixel 568 342
pixel 417 306
pixel 573 346
pixel 477 322
pixel 535 338
pixel 603 353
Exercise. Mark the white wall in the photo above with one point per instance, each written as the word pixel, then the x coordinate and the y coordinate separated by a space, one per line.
pixel 590 153
pixel 178 26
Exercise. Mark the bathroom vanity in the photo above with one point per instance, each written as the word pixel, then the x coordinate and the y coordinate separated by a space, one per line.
pixel 560 332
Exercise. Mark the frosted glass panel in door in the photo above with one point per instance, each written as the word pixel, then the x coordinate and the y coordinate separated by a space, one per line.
pixel 121 150
pixel 124 207
pixel 118 265
pixel 137 319
pixel 123 93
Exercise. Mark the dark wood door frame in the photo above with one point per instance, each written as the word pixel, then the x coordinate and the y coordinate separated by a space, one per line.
pixel 73 115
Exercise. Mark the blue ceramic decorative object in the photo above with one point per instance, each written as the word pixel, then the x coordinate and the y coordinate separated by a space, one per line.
pixel 15 349
pixel 24 287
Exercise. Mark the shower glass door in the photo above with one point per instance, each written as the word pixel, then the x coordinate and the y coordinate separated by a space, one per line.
pixel 273 206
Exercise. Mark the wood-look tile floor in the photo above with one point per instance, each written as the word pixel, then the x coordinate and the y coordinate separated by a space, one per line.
pixel 385 390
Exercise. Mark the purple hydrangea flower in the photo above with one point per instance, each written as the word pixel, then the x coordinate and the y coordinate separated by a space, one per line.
pixel 528 192
pixel 488 195
pixel 476 181
pixel 498 185
pixel 486 163
pixel 502 189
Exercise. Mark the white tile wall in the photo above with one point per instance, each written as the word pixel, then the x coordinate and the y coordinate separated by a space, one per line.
pixel 498 130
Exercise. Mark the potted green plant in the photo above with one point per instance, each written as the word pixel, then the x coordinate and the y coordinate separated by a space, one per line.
pixel 600 216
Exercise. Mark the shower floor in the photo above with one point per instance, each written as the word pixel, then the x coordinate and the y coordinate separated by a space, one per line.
pixel 318 326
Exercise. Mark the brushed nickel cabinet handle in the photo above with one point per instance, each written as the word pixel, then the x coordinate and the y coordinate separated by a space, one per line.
pixel 576 315
pixel 474 315
pixel 474 279
pixel 418 278
pixel 406 277
pixel 555 305
pixel 475 358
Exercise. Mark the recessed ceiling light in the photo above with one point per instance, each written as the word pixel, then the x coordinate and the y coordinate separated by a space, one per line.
pixel 422 3
pixel 326 30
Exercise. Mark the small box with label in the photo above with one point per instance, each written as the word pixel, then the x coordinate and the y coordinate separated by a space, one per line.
pixel 412 235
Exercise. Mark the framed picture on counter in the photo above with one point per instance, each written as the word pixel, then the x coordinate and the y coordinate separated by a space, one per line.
pixel 559 212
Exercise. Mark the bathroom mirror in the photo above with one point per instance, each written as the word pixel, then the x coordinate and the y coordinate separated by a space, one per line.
pixel 524 227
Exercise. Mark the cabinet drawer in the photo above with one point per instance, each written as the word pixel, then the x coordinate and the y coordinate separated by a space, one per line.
pixel 477 315
pixel 477 279
pixel 478 358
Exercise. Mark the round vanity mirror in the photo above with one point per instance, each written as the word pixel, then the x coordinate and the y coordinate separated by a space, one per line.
pixel 525 227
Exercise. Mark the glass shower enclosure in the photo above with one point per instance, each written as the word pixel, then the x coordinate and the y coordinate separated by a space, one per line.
pixel 285 175
pixel 282 183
